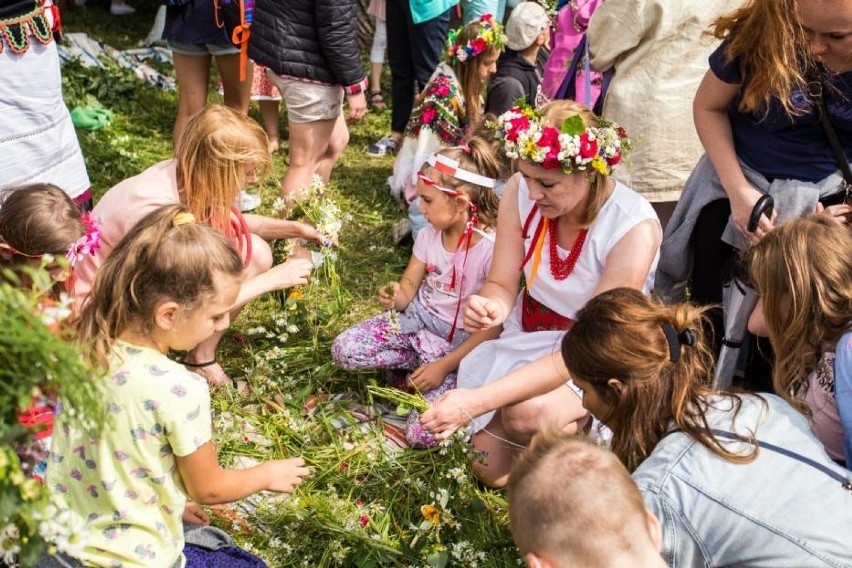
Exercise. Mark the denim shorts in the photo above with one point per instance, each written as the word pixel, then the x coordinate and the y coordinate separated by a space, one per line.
pixel 202 49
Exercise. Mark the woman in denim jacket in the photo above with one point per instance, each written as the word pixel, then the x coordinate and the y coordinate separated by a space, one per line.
pixel 722 500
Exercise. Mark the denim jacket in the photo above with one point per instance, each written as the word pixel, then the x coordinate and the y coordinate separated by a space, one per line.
pixel 775 511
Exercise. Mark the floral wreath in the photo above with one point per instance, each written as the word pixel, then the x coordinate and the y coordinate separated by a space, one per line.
pixel 490 35
pixel 526 134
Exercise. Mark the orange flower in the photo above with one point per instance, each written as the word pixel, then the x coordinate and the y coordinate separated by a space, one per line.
pixel 295 294
pixel 431 514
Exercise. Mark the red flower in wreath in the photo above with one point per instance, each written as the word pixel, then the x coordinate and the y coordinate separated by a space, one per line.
pixel 588 148
pixel 614 160
pixel 479 46
pixel 518 124
pixel 549 139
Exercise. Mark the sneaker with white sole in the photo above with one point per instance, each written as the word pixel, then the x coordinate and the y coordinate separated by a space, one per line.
pixel 383 147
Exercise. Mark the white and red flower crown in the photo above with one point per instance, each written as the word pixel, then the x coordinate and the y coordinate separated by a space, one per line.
pixel 527 135
pixel 490 35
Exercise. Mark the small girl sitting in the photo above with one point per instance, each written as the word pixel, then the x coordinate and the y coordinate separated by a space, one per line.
pixel 38 221
pixel 451 258
pixel 449 105
pixel 803 272
pixel 168 285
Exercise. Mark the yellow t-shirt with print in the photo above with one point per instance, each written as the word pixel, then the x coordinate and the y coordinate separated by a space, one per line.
pixel 125 482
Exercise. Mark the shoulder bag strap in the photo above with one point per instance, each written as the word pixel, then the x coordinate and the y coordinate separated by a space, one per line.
pixel 844 481
pixel 816 92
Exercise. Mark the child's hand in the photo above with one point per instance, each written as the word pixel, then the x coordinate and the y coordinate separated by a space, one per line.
pixel 388 294
pixel 195 515
pixel 285 475
pixel 294 272
pixel 429 376
pixel 481 313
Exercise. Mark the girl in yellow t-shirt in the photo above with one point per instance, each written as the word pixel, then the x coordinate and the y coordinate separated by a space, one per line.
pixel 168 285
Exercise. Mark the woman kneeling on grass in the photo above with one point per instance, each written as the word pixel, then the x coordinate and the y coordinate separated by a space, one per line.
pixel 168 285
pixel 736 479
pixel 575 232
pixel 218 153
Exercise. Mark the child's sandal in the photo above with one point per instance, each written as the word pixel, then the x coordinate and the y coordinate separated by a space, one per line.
pixel 377 101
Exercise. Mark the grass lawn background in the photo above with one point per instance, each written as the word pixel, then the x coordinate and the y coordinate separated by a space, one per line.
pixel 367 503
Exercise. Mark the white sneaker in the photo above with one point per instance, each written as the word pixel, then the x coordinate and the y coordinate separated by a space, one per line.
pixel 249 201
pixel 121 9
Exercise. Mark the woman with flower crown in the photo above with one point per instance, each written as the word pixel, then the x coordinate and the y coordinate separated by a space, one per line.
pixel 574 232
pixel 450 104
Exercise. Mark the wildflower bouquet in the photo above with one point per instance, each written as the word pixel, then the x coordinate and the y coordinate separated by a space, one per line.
pixel 36 359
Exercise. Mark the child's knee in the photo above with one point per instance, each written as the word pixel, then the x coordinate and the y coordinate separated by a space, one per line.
pixel 261 257
pixel 344 351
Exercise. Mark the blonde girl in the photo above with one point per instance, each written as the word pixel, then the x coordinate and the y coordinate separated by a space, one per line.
pixel 451 258
pixel 168 285
pixel 219 153
pixel 718 469
pixel 450 104
pixel 573 232
pixel 803 272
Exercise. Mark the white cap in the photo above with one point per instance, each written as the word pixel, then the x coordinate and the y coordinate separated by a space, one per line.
pixel 527 21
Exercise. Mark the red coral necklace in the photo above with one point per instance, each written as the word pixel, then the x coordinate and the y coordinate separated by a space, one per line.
pixel 561 269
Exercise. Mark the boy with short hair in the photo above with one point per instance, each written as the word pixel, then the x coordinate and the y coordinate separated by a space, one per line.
pixel 572 503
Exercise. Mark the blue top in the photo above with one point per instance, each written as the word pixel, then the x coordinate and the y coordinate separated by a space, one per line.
pixel 425 10
pixel 195 23
pixel 782 147
pixel 843 391
pixel 773 511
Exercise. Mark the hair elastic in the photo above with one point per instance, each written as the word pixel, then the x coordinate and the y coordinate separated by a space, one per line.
pixel 675 340
pixel 183 218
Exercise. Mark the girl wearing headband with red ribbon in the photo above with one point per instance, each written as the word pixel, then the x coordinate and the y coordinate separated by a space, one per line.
pixel 451 258
pixel 573 232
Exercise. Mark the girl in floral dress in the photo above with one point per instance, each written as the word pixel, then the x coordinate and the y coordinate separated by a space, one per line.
pixel 450 104
pixel 451 258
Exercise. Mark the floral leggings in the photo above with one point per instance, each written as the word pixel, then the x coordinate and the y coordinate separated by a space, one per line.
pixel 377 343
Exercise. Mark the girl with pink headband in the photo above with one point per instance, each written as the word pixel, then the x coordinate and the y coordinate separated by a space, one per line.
pixel 422 330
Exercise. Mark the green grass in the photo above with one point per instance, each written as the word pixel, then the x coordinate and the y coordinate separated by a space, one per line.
pixel 364 504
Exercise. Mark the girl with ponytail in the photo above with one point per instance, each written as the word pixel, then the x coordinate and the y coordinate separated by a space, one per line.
pixel 715 467
pixel 168 285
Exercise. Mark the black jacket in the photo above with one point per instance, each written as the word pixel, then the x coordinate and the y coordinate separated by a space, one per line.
pixel 515 78
pixel 308 39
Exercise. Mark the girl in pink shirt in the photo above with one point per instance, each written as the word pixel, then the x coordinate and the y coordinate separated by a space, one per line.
pixel 219 152
pixel 422 331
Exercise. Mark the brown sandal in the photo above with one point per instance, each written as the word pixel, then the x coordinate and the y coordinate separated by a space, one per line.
pixel 377 101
